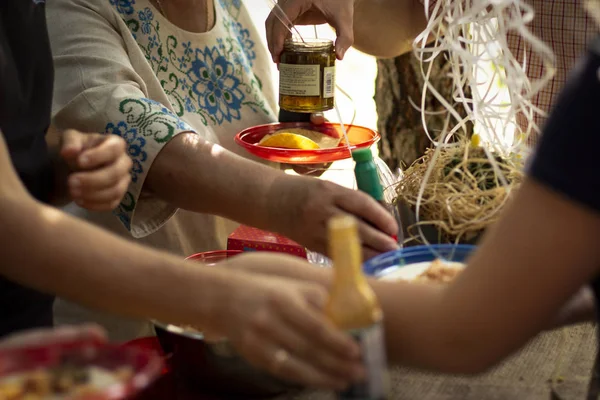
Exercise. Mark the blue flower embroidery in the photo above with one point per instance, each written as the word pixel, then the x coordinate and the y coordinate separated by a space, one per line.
pixel 187 48
pixel 226 3
pixel 181 62
pixel 135 145
pixel 216 85
pixel 146 16
pixel 123 6
pixel 189 106
pixel 246 44
pixel 184 84
pixel 152 42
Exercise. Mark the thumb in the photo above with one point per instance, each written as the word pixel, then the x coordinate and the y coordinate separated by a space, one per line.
pixel 71 144
pixel 317 118
pixel 316 296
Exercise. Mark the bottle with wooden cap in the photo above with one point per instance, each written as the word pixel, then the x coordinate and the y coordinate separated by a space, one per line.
pixel 353 307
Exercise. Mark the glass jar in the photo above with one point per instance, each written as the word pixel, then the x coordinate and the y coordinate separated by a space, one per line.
pixel 307 75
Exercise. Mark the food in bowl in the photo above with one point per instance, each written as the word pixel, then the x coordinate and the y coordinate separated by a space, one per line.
pixel 64 381
pixel 437 271
pixel 298 138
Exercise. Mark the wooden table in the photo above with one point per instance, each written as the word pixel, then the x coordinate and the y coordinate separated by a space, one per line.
pixel 561 360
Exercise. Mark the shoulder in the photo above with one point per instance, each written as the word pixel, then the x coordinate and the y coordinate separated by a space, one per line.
pixel 70 12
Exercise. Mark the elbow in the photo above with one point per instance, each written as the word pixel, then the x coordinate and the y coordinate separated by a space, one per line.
pixel 381 48
pixel 443 353
pixel 465 355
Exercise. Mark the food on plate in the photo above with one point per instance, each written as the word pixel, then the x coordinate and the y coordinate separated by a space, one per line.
pixel 297 138
pixel 65 381
pixel 438 271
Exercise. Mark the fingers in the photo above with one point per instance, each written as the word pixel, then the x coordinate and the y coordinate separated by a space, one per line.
pixel 366 208
pixel 293 340
pixel 375 240
pixel 61 334
pixel 101 189
pixel 276 31
pixel 103 153
pixel 342 21
pixel 71 146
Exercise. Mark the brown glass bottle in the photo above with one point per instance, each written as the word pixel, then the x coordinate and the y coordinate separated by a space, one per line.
pixel 307 75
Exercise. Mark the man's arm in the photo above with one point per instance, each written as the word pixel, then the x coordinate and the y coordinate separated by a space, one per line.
pixel 387 28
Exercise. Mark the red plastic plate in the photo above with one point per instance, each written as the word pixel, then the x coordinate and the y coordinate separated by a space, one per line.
pixel 358 136
pixel 146 365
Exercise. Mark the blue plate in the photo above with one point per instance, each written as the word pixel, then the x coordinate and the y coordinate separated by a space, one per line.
pixel 388 262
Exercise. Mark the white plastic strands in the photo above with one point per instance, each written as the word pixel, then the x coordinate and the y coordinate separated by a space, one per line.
pixel 474 35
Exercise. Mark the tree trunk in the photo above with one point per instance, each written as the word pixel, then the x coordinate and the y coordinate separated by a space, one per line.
pixel 400 81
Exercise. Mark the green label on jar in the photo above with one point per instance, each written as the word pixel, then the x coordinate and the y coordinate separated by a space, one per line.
pixel 372 345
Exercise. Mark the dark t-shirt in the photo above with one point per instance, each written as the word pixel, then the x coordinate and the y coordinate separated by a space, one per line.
pixel 26 78
pixel 567 159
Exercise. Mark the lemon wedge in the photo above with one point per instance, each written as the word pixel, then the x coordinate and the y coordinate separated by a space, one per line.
pixel 288 140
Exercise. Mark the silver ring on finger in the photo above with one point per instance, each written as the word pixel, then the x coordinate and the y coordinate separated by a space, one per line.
pixel 280 358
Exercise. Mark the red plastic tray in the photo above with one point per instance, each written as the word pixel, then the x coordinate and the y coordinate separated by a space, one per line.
pixel 358 136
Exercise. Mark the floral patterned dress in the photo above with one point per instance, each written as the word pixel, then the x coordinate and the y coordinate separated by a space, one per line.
pixel 123 69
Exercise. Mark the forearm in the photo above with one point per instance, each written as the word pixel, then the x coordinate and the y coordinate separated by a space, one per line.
pixel 387 28
pixel 199 176
pixel 55 253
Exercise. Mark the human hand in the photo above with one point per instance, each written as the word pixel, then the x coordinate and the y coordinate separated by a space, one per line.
pixel 99 169
pixel 278 324
pixel 299 207
pixel 337 13
pixel 63 334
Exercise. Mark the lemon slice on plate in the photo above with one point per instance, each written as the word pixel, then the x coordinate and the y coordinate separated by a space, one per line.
pixel 288 140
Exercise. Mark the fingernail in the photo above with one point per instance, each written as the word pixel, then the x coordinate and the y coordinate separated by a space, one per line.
pixel 75 183
pixel 341 53
pixel 84 160
pixel 392 245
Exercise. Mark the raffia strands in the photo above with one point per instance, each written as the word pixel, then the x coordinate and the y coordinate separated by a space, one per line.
pixel 456 187
pixel 463 194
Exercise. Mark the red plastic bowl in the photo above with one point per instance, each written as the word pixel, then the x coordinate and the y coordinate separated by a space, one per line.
pixel 146 365
pixel 358 136
pixel 213 257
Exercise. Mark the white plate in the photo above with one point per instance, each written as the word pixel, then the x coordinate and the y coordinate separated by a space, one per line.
pixel 412 271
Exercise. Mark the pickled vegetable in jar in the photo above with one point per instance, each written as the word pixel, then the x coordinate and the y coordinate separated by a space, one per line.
pixel 307 75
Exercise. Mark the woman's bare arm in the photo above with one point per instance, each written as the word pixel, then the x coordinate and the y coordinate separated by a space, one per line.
pixel 387 28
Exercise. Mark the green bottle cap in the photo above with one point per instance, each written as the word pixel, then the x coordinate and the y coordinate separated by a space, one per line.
pixel 362 155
